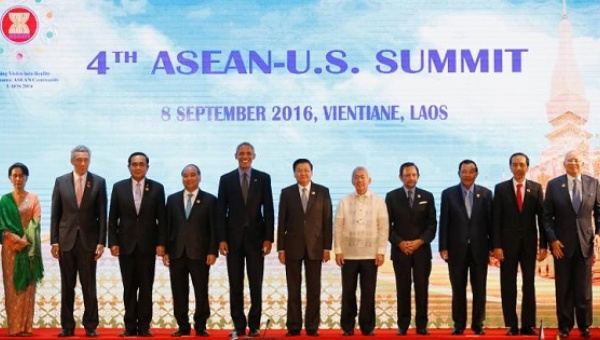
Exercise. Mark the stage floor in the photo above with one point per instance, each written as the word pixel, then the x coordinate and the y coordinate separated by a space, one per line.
pixel 163 333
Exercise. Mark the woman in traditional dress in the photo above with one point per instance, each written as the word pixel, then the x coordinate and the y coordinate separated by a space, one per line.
pixel 22 266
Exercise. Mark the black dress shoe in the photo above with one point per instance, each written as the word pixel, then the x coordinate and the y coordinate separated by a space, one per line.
pixel 128 333
pixel 202 332
pixel 145 333
pixel 401 331
pixel 349 332
pixel 292 332
pixel 312 332
pixel 91 333
pixel 180 332
pixel 512 331
pixel 236 333
pixel 368 333
pixel 458 331
pixel 65 333
pixel 478 331
pixel 585 333
pixel 422 331
pixel 563 333
pixel 254 333
pixel 528 331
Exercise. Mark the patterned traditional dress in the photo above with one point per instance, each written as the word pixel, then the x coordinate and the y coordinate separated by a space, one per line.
pixel 19 304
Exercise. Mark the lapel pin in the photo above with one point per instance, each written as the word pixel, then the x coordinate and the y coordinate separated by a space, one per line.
pixel 478 195
pixel 313 193
pixel 563 185
pixel 88 184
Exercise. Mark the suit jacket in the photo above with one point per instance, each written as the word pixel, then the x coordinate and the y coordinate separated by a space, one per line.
pixel 572 227
pixel 457 229
pixel 89 219
pixel 299 232
pixel 195 236
pixel 411 223
pixel 256 215
pixel 512 226
pixel 128 229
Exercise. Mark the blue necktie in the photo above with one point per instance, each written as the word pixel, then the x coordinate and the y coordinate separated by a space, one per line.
pixel 188 206
pixel 576 199
pixel 468 203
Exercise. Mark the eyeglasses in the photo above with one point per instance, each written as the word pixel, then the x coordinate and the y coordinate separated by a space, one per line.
pixel 573 161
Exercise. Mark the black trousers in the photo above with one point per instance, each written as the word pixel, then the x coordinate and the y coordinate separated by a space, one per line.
pixel 477 273
pixel 573 286
pixel 417 268
pixel 508 287
pixel 72 262
pixel 180 270
pixel 137 271
pixel 293 271
pixel 249 255
pixel 352 271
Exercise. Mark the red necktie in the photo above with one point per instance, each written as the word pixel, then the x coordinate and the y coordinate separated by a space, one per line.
pixel 520 197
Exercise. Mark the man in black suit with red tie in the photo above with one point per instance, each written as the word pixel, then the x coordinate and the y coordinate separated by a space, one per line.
pixel 304 235
pixel 245 204
pixel 413 224
pixel 465 243
pixel 191 249
pixel 136 234
pixel 518 204
pixel 78 236
pixel 571 204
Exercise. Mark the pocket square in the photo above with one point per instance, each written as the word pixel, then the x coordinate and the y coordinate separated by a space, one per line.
pixel 423 202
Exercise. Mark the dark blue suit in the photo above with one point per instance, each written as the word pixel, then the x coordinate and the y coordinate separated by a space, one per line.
pixel 574 229
pixel 245 226
pixel 468 242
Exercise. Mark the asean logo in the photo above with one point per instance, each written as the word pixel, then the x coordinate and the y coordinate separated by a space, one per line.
pixel 19 25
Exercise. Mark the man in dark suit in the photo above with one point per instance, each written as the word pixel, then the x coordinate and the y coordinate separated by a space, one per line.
pixel 518 202
pixel 136 234
pixel 572 202
pixel 246 216
pixel 78 236
pixel 192 248
pixel 465 243
pixel 304 234
pixel 413 224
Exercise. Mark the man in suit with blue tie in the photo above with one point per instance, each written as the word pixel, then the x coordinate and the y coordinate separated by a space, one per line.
pixel 191 249
pixel 246 228
pixel 137 234
pixel 78 236
pixel 572 202
pixel 465 243
pixel 518 212
pixel 413 224
pixel 304 235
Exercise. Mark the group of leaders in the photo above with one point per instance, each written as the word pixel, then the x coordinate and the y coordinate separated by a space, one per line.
pixel 515 225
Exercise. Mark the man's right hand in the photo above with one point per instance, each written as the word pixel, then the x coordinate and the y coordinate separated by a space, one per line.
pixel 55 251
pixel 281 256
pixel 557 249
pixel 444 255
pixel 223 249
pixel 114 250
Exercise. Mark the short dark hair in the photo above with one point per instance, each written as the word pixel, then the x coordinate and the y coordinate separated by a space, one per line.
pixel 300 161
pixel 190 165
pixel 406 165
pixel 138 153
pixel 242 144
pixel 467 161
pixel 21 166
pixel 518 154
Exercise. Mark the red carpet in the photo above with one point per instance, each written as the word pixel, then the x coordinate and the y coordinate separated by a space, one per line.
pixel 491 333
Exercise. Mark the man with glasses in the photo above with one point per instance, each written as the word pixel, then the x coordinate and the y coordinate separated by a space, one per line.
pixel 572 201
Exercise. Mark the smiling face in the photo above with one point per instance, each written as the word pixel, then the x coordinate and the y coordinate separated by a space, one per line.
pixel 190 177
pixel 303 173
pixel 245 155
pixel 573 163
pixel 467 174
pixel 361 181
